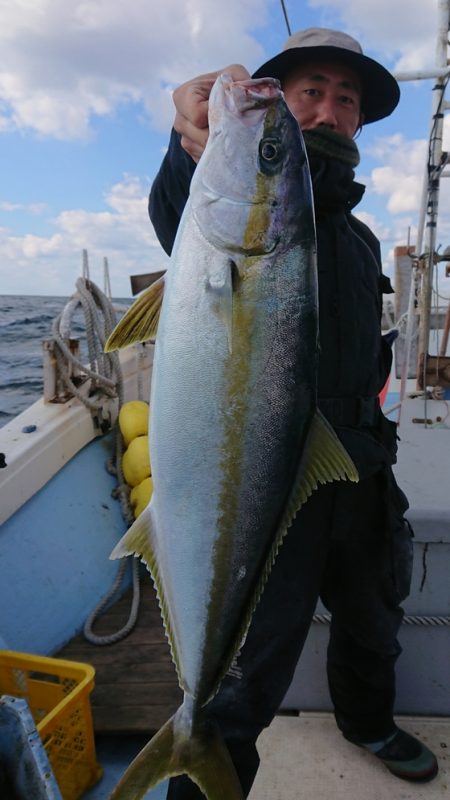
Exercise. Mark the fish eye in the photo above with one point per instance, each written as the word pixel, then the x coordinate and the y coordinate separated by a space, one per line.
pixel 269 150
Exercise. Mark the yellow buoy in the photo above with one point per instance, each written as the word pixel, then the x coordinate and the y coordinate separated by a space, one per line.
pixel 140 496
pixel 136 461
pixel 133 420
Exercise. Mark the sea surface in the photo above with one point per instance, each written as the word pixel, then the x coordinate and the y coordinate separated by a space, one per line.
pixel 25 321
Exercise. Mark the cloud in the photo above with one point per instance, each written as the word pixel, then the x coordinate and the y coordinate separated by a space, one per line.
pixel 381 231
pixel 399 179
pixel 398 182
pixel 400 31
pixel 401 176
pixel 395 180
pixel 122 232
pixel 64 62
pixel 33 208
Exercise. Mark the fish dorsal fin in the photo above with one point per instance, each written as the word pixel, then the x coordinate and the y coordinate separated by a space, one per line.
pixel 140 323
pixel 325 460
pixel 139 541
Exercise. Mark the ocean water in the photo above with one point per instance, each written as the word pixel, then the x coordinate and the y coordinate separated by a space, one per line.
pixel 25 321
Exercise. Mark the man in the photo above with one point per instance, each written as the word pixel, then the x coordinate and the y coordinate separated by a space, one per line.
pixel 350 543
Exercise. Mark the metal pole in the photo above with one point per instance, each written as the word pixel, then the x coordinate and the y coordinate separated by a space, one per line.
pixel 106 279
pixel 422 74
pixel 440 72
pixel 444 342
pixel 432 178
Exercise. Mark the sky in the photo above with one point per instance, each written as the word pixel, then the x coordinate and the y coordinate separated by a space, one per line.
pixel 86 112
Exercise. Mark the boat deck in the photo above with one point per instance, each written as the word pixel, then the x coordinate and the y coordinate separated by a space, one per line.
pixel 306 757
pixel 136 691
pixel 136 688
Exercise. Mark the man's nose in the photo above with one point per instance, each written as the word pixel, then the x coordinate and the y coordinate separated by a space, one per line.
pixel 326 113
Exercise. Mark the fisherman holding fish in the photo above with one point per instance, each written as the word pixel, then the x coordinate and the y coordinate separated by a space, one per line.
pixel 350 543
pixel 271 458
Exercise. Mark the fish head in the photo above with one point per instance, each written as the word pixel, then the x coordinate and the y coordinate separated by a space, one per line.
pixel 252 182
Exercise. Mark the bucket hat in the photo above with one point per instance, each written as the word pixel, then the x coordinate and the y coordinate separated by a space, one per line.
pixel 380 90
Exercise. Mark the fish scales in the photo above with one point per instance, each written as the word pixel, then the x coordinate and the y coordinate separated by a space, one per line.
pixel 215 494
pixel 236 442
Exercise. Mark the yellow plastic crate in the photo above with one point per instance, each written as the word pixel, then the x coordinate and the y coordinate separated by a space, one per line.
pixel 57 693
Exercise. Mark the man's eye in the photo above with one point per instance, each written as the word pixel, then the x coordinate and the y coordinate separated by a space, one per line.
pixel 348 101
pixel 311 92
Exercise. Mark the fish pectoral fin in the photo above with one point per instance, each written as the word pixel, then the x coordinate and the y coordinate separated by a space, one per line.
pixel 201 754
pixel 325 460
pixel 140 323
pixel 220 285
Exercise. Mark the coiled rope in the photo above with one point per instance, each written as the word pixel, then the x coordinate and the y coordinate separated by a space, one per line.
pixel 106 379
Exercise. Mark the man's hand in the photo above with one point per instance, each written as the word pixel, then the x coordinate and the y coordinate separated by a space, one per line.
pixel 191 103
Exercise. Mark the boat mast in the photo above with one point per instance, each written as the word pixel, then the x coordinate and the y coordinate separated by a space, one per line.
pixel 425 255
pixel 438 159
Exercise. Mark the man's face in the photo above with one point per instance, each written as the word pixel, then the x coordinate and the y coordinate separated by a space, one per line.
pixel 324 93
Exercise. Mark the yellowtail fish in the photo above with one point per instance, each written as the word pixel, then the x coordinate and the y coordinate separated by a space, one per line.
pixel 237 444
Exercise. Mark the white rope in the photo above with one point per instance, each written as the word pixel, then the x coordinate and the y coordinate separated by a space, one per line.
pixel 325 619
pixel 105 602
pixel 104 369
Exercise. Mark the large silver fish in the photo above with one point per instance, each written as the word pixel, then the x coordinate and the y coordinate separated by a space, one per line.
pixel 237 445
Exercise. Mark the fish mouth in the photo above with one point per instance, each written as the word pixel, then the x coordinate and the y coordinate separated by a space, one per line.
pixel 252 93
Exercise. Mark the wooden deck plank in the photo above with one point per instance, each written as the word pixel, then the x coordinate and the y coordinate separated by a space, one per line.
pixel 130 719
pixel 136 688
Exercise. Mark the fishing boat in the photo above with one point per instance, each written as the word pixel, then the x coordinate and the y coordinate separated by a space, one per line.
pixel 66 606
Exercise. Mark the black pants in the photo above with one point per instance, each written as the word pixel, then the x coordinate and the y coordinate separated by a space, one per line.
pixel 351 546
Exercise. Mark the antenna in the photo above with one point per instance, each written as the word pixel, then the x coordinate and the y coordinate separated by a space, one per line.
pixel 286 17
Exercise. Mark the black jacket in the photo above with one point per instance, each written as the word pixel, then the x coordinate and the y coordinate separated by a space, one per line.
pixel 354 359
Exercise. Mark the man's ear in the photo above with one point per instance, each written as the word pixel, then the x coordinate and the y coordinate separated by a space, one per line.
pixel 360 125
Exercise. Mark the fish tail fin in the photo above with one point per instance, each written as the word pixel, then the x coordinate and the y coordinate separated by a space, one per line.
pixel 140 323
pixel 201 754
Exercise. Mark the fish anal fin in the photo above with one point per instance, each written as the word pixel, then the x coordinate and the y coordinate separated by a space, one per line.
pixel 140 322
pixel 140 541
